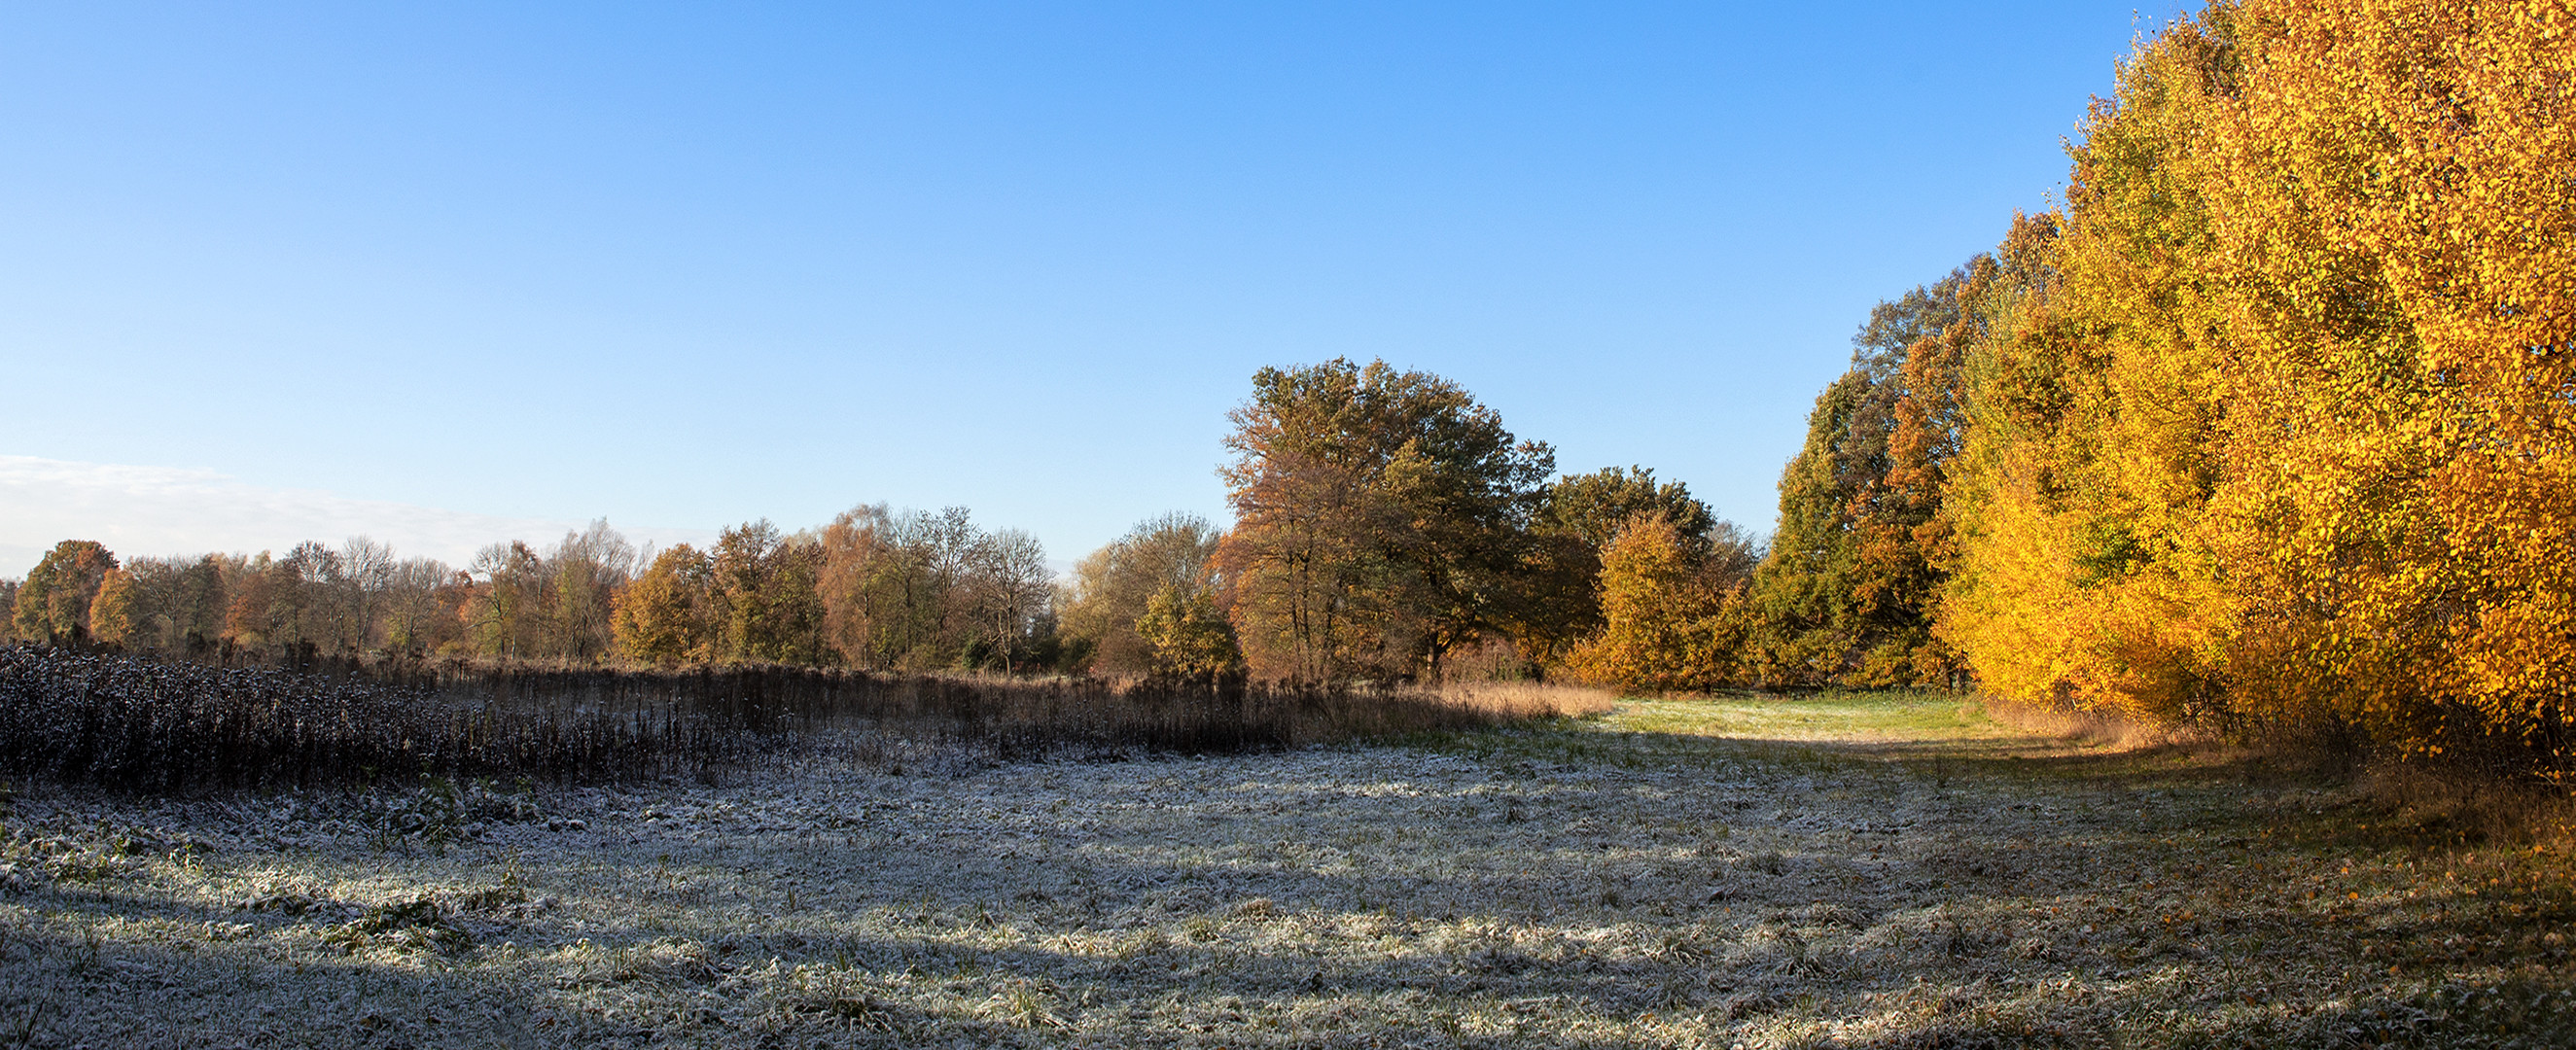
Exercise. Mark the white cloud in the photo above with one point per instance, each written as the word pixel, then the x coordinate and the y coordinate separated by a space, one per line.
pixel 166 511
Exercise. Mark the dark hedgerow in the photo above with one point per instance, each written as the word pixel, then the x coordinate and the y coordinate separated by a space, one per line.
pixel 146 724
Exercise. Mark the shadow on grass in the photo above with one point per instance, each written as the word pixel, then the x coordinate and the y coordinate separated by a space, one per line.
pixel 1933 890
pixel 726 986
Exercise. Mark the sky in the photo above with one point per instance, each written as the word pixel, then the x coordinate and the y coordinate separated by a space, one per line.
pixel 448 274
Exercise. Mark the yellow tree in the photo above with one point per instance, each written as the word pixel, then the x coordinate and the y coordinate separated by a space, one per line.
pixel 2398 223
pixel 2283 420
pixel 1577 518
pixel 1672 616
pixel 663 616
pixel 112 611
pixel 2085 569
pixel 1186 636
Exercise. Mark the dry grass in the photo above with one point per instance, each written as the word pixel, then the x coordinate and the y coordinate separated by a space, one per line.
pixel 1522 700
pixel 1853 870
pixel 153 725
pixel 2093 728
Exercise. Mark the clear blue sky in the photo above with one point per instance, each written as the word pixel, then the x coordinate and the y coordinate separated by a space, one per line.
pixel 687 265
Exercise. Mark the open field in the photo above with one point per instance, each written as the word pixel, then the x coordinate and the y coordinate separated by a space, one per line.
pixel 1846 870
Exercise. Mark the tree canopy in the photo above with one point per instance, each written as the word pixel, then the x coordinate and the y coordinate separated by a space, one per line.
pixel 1379 519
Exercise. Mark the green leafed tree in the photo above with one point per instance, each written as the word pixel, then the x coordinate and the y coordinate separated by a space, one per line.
pixel 1802 592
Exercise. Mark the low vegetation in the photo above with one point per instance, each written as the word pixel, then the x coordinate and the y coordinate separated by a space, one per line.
pixel 144 724
pixel 1885 869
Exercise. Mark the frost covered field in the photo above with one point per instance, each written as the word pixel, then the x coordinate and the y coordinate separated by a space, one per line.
pixel 1855 871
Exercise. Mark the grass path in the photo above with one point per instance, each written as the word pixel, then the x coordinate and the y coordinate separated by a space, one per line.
pixel 1845 870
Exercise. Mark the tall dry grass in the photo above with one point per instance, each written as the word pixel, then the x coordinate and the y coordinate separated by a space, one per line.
pixel 1515 700
pixel 2097 728
pixel 146 724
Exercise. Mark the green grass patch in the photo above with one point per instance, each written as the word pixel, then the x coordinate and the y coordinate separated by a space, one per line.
pixel 1908 715
pixel 1819 729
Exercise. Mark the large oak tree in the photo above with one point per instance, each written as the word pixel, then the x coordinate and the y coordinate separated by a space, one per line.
pixel 1381 518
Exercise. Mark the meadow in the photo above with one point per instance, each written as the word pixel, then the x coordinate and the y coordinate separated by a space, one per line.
pixel 1860 869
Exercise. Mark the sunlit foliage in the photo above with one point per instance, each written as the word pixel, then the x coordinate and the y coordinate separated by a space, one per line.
pixel 1164 568
pixel 2274 423
pixel 664 617
pixel 1186 636
pixel 52 604
pixel 1559 603
pixel 111 611
pixel 1672 608
pixel 1380 519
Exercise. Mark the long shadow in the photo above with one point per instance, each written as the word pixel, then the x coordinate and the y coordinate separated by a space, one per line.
pixel 977 880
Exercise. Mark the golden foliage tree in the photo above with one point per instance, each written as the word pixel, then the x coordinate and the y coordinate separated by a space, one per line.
pixel 1671 618
pixel 178 604
pixel 53 602
pixel 2394 210
pixel 111 611
pixel 2088 567
pixel 2276 420
pixel 1559 602
pixel 1185 635
pixel 663 617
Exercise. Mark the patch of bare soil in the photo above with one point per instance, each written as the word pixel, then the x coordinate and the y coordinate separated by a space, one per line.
pixel 1569 885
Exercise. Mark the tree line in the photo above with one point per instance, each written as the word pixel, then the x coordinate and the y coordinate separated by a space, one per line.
pixel 2270 426
pixel 877 589
pixel 1387 528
